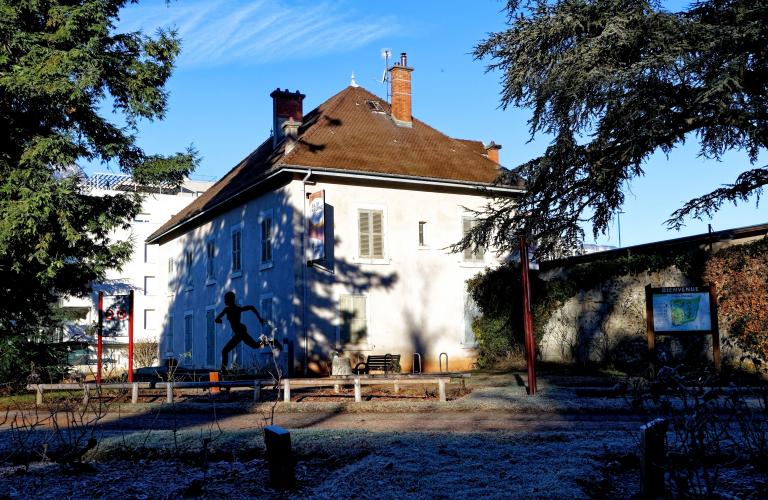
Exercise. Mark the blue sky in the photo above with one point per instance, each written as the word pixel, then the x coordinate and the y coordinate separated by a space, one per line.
pixel 235 53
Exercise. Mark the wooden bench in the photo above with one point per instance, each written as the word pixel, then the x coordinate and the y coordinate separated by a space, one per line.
pixel 378 362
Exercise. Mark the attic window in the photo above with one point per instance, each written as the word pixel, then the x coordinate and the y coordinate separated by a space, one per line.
pixel 375 106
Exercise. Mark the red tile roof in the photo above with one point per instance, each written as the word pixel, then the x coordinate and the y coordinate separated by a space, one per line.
pixel 347 133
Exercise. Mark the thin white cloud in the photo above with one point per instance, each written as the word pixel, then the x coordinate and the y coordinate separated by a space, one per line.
pixel 220 32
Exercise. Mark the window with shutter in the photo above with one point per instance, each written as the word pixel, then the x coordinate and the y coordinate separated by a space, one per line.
pixel 266 309
pixel 371 233
pixel 188 333
pixel 353 320
pixel 266 239
pixel 472 254
pixel 210 252
pixel 210 337
pixel 188 262
pixel 471 312
pixel 169 336
pixel 236 250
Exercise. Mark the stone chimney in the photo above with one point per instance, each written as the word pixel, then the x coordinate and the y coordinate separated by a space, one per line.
pixel 492 151
pixel 400 77
pixel 286 106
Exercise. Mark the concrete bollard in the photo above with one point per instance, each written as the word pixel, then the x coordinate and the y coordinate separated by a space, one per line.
pixel 134 393
pixel 39 394
pixel 256 391
pixel 287 390
pixel 441 387
pixel 358 391
pixel 169 393
pixel 336 388
pixel 652 457
pixel 282 473
pixel 86 394
pixel 397 388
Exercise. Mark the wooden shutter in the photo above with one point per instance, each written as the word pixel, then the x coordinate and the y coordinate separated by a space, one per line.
pixel 353 323
pixel 359 326
pixel 210 338
pixel 466 227
pixel 371 233
pixel 266 239
pixel 471 252
pixel 346 313
pixel 377 234
pixel 364 232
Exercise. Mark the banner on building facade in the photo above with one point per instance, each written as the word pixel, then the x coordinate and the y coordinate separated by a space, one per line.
pixel 316 226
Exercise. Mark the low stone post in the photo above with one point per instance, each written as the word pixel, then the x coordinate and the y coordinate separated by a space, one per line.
pixel 39 394
pixel 256 391
pixel 86 394
pixel 397 388
pixel 134 393
pixel 287 390
pixel 358 391
pixel 169 392
pixel 441 388
pixel 282 473
pixel 652 457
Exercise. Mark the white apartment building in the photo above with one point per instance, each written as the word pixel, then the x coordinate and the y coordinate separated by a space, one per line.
pixel 140 274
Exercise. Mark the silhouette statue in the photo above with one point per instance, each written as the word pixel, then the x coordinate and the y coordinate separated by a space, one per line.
pixel 233 311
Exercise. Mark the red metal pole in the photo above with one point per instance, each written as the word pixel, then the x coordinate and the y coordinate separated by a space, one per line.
pixel 130 336
pixel 530 342
pixel 99 333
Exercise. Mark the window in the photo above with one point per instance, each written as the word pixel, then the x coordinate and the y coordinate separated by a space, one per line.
pixel 169 337
pixel 266 309
pixel 149 285
pixel 237 234
pixel 210 252
pixel 149 253
pixel 188 332
pixel 150 319
pixel 171 264
pixel 471 312
pixel 422 233
pixel 266 238
pixel 371 233
pixel 188 261
pixel 353 319
pixel 210 337
pixel 471 254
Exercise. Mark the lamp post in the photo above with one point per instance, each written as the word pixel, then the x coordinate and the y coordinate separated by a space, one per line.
pixel 618 219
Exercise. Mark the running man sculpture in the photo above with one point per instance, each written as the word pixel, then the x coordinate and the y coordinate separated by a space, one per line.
pixel 233 311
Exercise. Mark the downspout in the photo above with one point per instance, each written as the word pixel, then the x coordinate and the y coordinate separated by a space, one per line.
pixel 304 272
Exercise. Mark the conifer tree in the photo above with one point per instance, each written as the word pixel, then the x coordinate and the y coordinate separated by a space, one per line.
pixel 613 81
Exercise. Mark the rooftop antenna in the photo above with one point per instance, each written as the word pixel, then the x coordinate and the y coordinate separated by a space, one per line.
pixel 385 54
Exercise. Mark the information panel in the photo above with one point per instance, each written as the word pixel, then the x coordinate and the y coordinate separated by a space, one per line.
pixel 683 309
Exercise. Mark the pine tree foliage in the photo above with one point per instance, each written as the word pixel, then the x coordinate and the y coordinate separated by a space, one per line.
pixel 613 81
pixel 61 63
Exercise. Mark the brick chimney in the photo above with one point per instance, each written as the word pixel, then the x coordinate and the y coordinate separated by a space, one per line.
pixel 492 151
pixel 400 77
pixel 286 106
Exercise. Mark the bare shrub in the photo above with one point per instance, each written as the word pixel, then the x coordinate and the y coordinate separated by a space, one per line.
pixel 145 352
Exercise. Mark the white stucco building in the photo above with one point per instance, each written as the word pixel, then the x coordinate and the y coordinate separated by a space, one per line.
pixel 396 194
